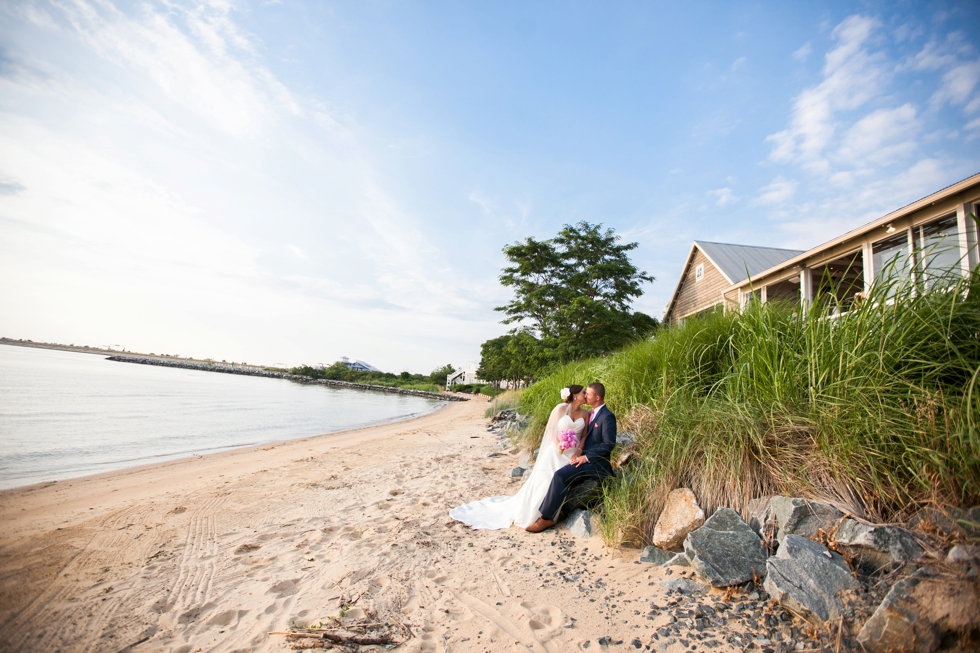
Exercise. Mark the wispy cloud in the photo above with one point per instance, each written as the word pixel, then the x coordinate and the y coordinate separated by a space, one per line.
pixel 723 196
pixel 852 76
pixel 803 51
pixel 779 191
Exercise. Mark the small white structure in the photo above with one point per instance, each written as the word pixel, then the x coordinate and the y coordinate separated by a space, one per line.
pixel 466 375
pixel 358 366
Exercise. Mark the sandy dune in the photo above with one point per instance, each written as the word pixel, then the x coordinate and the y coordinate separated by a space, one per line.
pixel 212 553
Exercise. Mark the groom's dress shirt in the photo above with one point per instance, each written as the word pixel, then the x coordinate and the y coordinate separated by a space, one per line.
pixel 600 437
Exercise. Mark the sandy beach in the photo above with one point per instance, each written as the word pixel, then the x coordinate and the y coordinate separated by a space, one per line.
pixel 213 553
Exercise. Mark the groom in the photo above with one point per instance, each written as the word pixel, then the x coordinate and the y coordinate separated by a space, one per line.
pixel 592 462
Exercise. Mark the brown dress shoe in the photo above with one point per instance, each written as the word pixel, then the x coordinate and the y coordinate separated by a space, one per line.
pixel 541 525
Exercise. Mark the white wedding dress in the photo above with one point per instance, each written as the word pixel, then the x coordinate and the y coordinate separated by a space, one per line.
pixel 523 509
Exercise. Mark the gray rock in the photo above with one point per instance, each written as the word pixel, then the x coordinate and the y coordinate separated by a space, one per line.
pixel 794 516
pixel 517 472
pixel 625 439
pixel 756 510
pixel 525 460
pixel 527 473
pixel 684 585
pixel 963 554
pixel 876 547
pixel 494 454
pixel 583 495
pixel 679 560
pixel 804 577
pixel 949 521
pixel 582 524
pixel 726 551
pixel 918 611
pixel 655 556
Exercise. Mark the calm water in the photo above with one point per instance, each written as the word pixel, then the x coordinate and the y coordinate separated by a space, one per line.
pixel 64 414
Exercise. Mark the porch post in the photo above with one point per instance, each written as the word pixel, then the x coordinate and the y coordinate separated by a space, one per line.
pixel 968 238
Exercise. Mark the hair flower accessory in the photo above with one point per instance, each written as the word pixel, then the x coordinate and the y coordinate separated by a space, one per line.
pixel 565 392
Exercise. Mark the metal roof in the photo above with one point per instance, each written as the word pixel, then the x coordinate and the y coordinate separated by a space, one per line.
pixel 735 260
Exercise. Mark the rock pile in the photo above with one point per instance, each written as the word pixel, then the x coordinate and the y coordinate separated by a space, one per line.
pixel 813 560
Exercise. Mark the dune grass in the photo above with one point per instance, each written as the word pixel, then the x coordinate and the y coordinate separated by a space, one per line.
pixel 875 409
pixel 507 400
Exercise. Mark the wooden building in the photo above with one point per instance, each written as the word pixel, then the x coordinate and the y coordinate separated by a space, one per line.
pixel 935 234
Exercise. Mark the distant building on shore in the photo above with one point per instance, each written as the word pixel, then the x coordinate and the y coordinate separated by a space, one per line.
pixel 358 366
pixel 466 375
pixel 935 234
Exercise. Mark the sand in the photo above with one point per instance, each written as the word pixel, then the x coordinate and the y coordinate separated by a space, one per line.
pixel 213 553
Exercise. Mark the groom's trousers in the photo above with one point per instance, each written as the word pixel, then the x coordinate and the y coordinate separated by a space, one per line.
pixel 565 477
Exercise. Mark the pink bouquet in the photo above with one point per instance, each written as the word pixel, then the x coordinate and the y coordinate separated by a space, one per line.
pixel 567 440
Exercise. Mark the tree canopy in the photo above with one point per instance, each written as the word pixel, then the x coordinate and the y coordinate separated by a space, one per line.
pixel 573 298
pixel 576 290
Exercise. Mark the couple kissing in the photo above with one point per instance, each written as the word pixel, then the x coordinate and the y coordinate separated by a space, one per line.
pixel 576 445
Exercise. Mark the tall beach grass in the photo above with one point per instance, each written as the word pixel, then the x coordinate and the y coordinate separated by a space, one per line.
pixel 875 410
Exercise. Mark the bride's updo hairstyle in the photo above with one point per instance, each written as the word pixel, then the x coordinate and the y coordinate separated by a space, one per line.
pixel 570 391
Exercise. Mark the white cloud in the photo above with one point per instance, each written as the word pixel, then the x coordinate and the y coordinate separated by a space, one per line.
pixel 852 76
pixel 724 196
pixel 738 63
pixel 958 85
pixel 880 137
pixel 779 191
pixel 178 169
pixel 803 52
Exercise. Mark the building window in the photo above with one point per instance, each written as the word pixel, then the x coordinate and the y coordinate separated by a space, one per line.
pixel 699 272
pixel 937 247
pixel 890 257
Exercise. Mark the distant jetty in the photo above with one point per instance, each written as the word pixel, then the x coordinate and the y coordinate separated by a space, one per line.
pixel 255 371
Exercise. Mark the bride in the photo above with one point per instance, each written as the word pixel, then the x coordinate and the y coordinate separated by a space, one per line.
pixel 522 509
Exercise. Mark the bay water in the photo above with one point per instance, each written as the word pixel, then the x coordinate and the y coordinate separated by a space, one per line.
pixel 67 414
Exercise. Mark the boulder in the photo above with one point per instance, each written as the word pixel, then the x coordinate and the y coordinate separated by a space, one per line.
pixel 655 556
pixel 582 524
pixel 680 516
pixel 517 472
pixel 756 512
pixel 585 494
pixel 527 473
pixel 726 551
pixel 684 585
pixel 792 516
pixel 876 547
pixel 804 577
pixel 918 611
pixel 525 460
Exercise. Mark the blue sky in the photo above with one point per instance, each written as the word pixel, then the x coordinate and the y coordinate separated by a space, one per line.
pixel 287 182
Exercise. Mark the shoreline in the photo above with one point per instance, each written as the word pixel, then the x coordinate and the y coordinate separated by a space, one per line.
pixel 269 374
pixel 184 456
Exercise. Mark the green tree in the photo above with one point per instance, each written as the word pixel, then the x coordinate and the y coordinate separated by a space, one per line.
pixel 514 357
pixel 575 292
pixel 438 375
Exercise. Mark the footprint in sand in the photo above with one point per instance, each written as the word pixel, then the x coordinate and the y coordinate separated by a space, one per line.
pixel 546 621
pixel 435 576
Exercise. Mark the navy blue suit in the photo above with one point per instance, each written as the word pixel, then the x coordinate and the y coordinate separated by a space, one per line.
pixel 600 438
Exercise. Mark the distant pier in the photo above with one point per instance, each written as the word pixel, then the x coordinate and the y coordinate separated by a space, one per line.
pixel 255 371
